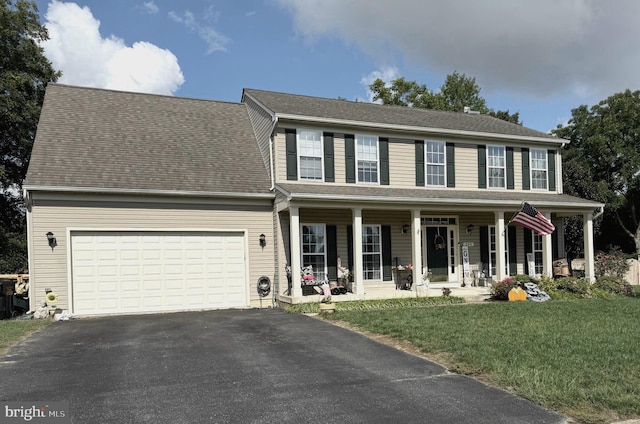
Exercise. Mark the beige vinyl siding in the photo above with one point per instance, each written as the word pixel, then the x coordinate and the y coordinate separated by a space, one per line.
pixel 49 268
pixel 402 163
pixel 262 126
pixel 466 167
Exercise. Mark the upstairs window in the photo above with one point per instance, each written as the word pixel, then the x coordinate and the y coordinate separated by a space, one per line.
pixel 539 170
pixel 496 166
pixel 367 158
pixel 436 163
pixel 310 155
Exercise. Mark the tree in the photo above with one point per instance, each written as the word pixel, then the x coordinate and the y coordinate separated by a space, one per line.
pixel 24 74
pixel 602 161
pixel 457 92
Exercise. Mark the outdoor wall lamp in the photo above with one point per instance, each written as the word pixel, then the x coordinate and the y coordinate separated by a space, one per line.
pixel 263 240
pixel 52 240
pixel 469 228
pixel 405 229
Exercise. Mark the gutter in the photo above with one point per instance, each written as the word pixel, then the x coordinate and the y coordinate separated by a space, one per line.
pixel 148 192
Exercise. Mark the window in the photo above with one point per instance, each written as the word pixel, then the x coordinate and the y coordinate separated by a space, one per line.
pixel 537 252
pixel 496 166
pixel 539 169
pixel 435 162
pixel 367 158
pixel 371 252
pixel 310 155
pixel 492 251
pixel 314 250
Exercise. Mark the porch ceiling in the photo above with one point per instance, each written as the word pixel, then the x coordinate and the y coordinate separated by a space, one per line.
pixel 393 197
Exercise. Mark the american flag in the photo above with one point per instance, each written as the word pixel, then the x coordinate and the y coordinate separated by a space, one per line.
pixel 530 218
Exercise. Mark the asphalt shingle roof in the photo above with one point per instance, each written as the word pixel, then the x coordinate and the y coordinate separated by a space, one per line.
pixel 293 104
pixel 95 138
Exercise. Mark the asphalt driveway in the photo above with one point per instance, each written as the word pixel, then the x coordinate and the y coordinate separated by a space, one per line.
pixel 242 366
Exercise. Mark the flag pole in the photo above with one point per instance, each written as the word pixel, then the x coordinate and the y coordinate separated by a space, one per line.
pixel 516 213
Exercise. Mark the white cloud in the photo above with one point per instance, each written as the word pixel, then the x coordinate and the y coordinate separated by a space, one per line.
pixel 582 47
pixel 86 58
pixel 150 7
pixel 203 28
pixel 386 74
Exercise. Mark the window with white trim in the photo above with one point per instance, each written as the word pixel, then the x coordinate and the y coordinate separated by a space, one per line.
pixel 371 252
pixel 314 250
pixel 435 163
pixel 537 252
pixel 493 248
pixel 367 158
pixel 310 155
pixel 539 170
pixel 496 166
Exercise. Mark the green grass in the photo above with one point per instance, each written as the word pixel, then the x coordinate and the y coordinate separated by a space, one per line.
pixel 409 302
pixel 12 330
pixel 578 357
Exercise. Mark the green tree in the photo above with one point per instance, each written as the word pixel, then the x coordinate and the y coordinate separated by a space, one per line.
pixel 24 74
pixel 457 92
pixel 602 162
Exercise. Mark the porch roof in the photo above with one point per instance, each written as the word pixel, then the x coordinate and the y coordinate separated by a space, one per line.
pixel 393 197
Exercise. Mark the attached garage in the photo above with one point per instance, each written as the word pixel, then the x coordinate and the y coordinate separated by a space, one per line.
pixel 152 271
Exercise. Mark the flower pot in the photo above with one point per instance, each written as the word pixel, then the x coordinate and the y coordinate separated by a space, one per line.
pixel 327 308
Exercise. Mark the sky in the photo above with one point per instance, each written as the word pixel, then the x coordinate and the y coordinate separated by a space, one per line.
pixel 541 58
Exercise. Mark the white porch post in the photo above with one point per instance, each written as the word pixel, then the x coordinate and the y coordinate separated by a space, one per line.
pixel 589 266
pixel 547 252
pixel 357 252
pixel 294 229
pixel 416 247
pixel 500 246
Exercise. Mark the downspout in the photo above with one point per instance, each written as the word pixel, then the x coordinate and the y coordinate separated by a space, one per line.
pixel 600 212
pixel 274 121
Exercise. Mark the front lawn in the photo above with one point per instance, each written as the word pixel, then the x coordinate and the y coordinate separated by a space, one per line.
pixel 12 330
pixel 578 357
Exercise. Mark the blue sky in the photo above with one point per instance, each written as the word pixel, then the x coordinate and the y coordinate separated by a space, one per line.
pixel 541 58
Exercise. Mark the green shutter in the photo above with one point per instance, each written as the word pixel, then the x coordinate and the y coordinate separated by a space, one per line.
pixel 350 248
pixel 332 253
pixel 484 249
pixel 383 146
pixel 350 158
pixel 526 173
pixel 419 163
pixel 482 166
pixel 554 245
pixel 513 257
pixel 451 165
pixel 329 166
pixel 510 176
pixel 551 163
pixel 292 154
pixel 386 253
pixel 528 248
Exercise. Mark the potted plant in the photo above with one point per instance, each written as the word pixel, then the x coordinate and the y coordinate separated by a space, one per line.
pixel 326 306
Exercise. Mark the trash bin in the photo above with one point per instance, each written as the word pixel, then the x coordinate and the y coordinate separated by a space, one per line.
pixel 4 308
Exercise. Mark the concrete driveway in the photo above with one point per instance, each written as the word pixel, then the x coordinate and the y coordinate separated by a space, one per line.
pixel 242 366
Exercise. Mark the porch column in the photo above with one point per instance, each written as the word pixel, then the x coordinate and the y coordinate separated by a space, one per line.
pixel 416 247
pixel 294 230
pixel 500 246
pixel 547 252
pixel 589 266
pixel 357 251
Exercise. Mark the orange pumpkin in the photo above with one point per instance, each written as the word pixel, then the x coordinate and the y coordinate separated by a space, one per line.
pixel 516 294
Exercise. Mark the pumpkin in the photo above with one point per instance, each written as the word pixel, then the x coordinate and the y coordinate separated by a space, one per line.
pixel 516 294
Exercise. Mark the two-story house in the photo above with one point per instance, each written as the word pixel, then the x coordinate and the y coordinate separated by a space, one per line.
pixel 158 203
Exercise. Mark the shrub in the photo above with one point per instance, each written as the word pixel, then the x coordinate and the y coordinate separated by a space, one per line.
pixel 522 279
pixel 500 291
pixel 547 284
pixel 615 285
pixel 573 285
pixel 612 264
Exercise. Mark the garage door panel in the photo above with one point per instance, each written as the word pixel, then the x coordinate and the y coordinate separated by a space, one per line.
pixel 116 272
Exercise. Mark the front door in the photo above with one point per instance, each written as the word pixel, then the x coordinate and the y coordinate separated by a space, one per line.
pixel 437 248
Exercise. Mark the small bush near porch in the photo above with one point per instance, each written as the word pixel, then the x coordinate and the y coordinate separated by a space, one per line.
pixel 578 357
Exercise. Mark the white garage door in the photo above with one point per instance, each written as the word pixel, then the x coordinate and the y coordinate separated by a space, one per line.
pixel 130 272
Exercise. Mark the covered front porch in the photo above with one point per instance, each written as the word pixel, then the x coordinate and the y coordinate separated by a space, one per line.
pixel 391 247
